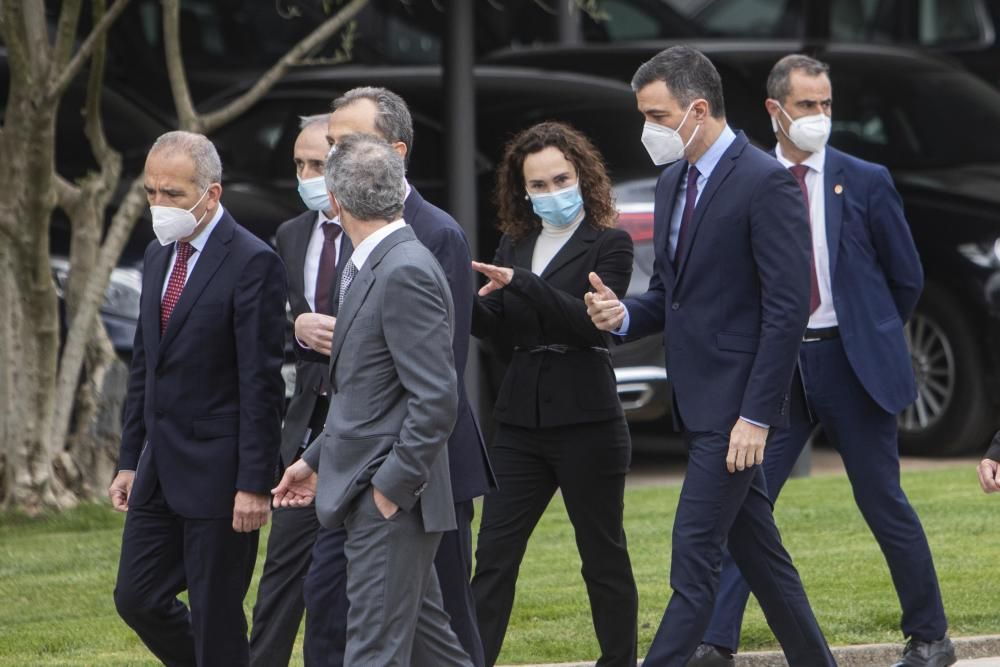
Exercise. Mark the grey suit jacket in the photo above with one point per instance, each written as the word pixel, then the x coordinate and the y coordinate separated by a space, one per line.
pixel 394 390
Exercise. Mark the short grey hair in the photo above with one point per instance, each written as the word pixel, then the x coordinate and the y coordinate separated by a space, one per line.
pixel 689 75
pixel 198 147
pixel 366 175
pixel 779 81
pixel 393 121
pixel 315 119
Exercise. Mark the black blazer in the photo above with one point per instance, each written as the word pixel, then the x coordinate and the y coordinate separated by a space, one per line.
pixel 311 368
pixel 553 387
pixel 203 412
pixel 471 474
pixel 994 451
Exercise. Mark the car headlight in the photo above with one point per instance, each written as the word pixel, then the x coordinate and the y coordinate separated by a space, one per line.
pixel 122 296
pixel 982 253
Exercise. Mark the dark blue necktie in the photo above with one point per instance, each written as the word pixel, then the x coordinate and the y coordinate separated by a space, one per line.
pixel 690 198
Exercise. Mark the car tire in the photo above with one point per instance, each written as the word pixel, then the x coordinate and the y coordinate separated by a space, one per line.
pixel 951 414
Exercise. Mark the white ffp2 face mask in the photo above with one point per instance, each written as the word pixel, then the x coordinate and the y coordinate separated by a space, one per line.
pixel 665 144
pixel 173 224
pixel 809 133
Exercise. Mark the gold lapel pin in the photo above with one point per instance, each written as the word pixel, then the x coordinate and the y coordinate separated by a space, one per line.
pixel 838 189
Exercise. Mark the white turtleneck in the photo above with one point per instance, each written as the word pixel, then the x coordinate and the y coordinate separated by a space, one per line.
pixel 549 242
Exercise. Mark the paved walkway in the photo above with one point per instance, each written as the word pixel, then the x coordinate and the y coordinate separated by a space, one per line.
pixel 972 652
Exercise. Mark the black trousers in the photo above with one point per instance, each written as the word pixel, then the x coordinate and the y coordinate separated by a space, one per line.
pixel 163 554
pixel 588 463
pixel 278 610
pixel 326 592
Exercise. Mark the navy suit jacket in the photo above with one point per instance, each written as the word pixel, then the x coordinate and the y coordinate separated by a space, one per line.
pixel 734 310
pixel 875 274
pixel 471 474
pixel 203 412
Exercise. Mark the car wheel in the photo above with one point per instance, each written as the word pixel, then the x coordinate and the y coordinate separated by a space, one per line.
pixel 951 414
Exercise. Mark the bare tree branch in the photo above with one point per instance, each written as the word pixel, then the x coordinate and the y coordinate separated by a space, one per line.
pixel 100 29
pixel 68 194
pixel 94 127
pixel 187 117
pixel 11 20
pixel 85 289
pixel 69 19
pixel 36 37
pixel 323 32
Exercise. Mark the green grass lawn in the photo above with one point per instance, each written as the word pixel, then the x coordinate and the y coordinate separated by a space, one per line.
pixel 57 573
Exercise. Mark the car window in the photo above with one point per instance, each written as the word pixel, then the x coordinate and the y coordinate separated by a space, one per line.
pixel 903 121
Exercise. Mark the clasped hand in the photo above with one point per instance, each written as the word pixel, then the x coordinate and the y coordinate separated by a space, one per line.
pixel 605 310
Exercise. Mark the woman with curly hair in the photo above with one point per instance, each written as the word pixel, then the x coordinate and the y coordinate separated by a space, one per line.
pixel 560 424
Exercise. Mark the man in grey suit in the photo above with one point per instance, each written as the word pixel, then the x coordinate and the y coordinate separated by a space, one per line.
pixel 380 467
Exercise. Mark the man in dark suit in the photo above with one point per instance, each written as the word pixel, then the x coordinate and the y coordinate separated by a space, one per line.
pixel 383 113
pixel 854 374
pixel 730 293
pixel 382 460
pixel 203 415
pixel 314 250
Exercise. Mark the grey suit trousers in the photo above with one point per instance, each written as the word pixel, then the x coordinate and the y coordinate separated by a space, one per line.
pixel 396 615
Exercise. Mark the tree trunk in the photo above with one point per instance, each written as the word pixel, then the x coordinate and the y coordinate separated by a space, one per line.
pixel 29 320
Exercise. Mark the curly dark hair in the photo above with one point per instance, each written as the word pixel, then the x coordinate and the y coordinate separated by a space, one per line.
pixel 517 218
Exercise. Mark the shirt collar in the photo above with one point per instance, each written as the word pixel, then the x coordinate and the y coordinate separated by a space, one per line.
pixel 199 241
pixel 707 162
pixel 365 248
pixel 815 161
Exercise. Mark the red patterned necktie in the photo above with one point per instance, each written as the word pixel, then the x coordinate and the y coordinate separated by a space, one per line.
pixel 175 285
pixel 799 171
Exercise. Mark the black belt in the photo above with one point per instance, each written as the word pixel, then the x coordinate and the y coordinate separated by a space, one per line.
pixel 813 335
pixel 558 348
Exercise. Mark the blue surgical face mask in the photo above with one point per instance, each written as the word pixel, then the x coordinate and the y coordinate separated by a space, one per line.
pixel 314 195
pixel 558 208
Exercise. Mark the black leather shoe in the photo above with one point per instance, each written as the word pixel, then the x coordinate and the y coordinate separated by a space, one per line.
pixel 928 654
pixel 710 656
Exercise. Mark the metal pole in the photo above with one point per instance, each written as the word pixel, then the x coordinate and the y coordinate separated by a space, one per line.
pixel 570 30
pixel 460 143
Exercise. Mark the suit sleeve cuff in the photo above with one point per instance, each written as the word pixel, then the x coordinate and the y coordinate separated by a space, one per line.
pixel 755 423
pixel 623 329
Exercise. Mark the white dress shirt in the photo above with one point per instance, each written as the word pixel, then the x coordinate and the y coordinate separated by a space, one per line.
pixel 198 244
pixel 824 316
pixel 364 249
pixel 310 270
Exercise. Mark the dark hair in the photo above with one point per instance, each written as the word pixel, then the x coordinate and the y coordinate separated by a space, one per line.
pixel 392 120
pixel 688 74
pixel 517 218
pixel 779 84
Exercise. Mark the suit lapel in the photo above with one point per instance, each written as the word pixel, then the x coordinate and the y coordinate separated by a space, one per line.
pixel 300 247
pixel 718 177
pixel 358 290
pixel 663 211
pixel 579 243
pixel 524 249
pixel 215 252
pixel 833 175
pixel 155 273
